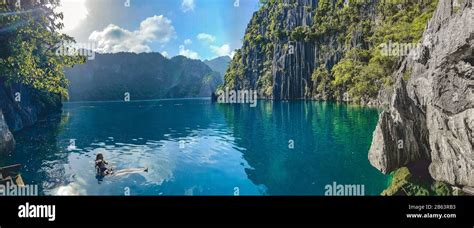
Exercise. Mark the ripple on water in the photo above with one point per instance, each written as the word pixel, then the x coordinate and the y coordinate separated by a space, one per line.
pixel 222 147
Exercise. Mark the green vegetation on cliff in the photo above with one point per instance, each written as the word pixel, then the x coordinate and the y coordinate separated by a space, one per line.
pixel 364 70
pixel 29 39
pixel 404 182
pixel 360 28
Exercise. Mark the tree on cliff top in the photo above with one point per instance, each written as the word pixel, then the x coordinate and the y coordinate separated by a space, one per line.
pixel 29 39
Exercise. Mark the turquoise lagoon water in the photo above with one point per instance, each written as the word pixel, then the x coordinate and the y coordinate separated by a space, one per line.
pixel 195 147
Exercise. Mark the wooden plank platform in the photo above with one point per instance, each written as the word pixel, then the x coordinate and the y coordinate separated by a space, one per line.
pixel 11 174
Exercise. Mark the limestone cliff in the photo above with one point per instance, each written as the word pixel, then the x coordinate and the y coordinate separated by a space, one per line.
pixel 322 49
pixel 282 48
pixel 431 116
pixel 21 107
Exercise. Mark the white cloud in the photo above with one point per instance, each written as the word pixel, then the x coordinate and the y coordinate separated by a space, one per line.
pixel 188 53
pixel 116 39
pixel 157 28
pixel 74 11
pixel 223 50
pixel 187 5
pixel 206 37
pixel 165 54
pixel 188 42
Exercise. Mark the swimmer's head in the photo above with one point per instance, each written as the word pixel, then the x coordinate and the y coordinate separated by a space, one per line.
pixel 99 157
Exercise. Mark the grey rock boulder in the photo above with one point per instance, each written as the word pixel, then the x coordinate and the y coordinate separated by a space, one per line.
pixel 433 114
pixel 400 136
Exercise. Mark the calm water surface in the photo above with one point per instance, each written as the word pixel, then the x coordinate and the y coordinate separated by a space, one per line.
pixel 194 147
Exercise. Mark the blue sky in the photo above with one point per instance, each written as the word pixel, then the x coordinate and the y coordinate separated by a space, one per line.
pixel 200 29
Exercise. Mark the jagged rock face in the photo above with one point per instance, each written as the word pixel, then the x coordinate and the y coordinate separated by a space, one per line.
pixel 293 62
pixel 400 136
pixel 22 106
pixel 285 65
pixel 7 143
pixel 433 114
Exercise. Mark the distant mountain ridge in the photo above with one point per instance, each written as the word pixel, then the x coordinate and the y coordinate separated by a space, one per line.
pixel 142 76
pixel 219 64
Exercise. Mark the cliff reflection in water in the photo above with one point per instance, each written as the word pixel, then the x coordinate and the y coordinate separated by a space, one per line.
pixel 196 147
pixel 330 141
pixel 39 153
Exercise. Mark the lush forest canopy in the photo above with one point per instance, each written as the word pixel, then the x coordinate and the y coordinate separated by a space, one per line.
pixel 29 39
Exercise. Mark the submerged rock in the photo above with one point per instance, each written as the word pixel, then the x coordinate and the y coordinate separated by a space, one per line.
pixel 432 115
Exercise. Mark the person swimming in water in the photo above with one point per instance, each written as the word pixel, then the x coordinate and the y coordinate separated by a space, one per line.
pixel 101 165
pixel 103 170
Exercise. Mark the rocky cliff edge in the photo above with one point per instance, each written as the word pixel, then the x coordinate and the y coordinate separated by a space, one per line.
pixel 431 115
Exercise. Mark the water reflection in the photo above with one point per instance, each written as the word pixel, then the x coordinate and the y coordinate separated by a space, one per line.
pixel 38 150
pixel 297 148
pixel 194 147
